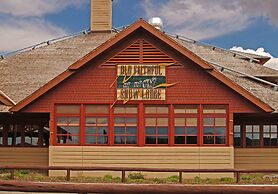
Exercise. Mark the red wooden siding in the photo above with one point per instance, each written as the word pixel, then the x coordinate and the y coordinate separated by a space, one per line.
pixel 92 84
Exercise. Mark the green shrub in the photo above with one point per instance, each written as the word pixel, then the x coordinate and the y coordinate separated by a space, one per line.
pixel 117 179
pixel 227 179
pixel 172 179
pixel 208 180
pixel 108 177
pixel 137 175
pixel 246 177
pixel 197 179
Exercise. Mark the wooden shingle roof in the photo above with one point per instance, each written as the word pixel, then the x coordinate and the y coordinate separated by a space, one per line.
pixel 25 73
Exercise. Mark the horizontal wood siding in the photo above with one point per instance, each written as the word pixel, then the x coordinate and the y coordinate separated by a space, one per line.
pixel 256 158
pixel 24 156
pixel 157 157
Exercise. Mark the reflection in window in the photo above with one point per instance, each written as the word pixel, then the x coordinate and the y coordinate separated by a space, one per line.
pixel 186 131
pixel 31 135
pixel 156 130
pixel 96 130
pixel 68 130
pixel 214 131
pixel 252 135
pixel 270 135
pixel 237 135
pixel 125 130
pixel 14 135
pixel 125 125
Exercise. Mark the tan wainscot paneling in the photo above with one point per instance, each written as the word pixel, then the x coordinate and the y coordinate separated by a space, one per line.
pixel 24 156
pixel 157 157
pixel 256 158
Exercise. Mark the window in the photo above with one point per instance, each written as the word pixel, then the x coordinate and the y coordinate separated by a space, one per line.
pixel 96 124
pixel 96 130
pixel 14 135
pixel 270 135
pixel 214 125
pixel 68 130
pixel 119 125
pixel 125 125
pixel 237 135
pixel 31 135
pixel 68 124
pixel 186 125
pixel 252 135
pixel 156 125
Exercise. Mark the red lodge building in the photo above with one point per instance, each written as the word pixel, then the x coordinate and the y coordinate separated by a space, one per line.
pixel 137 97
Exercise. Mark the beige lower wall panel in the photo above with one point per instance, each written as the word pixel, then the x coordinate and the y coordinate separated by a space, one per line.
pixel 156 157
pixel 24 156
pixel 256 158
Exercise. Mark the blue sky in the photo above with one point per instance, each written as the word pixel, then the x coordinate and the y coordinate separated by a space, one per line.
pixel 245 23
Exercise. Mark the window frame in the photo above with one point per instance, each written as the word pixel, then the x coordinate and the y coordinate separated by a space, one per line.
pixel 186 116
pixel 125 115
pixel 261 134
pixel 157 116
pixel 68 115
pixel 214 115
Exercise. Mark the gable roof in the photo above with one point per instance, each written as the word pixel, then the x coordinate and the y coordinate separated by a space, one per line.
pixel 84 48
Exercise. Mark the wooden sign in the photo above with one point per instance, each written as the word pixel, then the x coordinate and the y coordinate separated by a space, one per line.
pixel 141 82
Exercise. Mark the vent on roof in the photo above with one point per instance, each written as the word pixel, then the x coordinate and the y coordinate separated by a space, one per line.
pixel 156 22
pixel 101 15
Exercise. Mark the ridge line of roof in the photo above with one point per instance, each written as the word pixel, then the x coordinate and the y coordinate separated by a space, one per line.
pixel 275 86
pixel 183 38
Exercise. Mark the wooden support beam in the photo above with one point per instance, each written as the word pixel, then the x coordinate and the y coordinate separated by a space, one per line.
pixel 123 177
pixel 180 177
pixel 68 175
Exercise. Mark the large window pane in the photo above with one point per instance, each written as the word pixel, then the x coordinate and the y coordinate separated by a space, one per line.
pixel 162 140
pixel 208 139
pixel 150 140
pixel 208 121
pixel 191 139
pixel 179 139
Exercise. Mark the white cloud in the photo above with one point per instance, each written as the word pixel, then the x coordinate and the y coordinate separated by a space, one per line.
pixel 19 33
pixel 259 51
pixel 25 8
pixel 203 19
pixel 23 24
pixel 272 63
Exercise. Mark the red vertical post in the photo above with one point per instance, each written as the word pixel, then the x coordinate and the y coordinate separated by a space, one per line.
pixel 230 127
pixel 200 134
pixel 171 125
pixel 82 125
pixel 52 127
pixel 110 127
pixel 141 123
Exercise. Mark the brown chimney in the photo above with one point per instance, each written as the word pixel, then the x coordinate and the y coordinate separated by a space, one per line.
pixel 101 15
